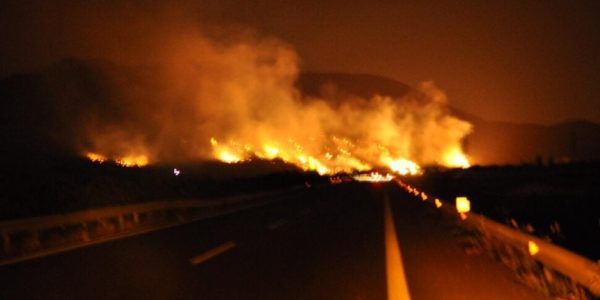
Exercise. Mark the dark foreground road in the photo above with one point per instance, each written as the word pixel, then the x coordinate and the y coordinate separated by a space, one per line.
pixel 322 243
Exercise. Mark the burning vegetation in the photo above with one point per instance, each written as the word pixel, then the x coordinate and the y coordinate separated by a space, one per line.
pixel 239 102
pixel 358 135
pixel 163 88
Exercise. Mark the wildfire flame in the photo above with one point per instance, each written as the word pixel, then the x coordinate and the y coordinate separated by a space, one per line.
pixel 95 157
pixel 325 162
pixel 455 158
pixel 239 101
pixel 133 161
pixel 126 161
pixel 373 177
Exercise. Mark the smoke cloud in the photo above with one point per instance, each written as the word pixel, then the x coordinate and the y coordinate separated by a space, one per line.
pixel 164 88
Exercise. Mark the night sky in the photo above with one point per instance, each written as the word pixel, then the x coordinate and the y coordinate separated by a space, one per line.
pixel 523 61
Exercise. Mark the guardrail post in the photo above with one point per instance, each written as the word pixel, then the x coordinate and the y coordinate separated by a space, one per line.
pixel 35 240
pixel 178 215
pixel 85 232
pixel 6 242
pixel 136 218
pixel 121 220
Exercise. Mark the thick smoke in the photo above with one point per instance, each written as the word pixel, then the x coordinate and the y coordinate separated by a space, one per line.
pixel 175 88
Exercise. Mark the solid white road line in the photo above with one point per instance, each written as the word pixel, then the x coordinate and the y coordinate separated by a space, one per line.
pixel 212 253
pixel 397 288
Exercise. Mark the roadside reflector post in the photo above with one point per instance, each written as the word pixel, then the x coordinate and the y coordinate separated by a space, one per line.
pixel 6 242
pixel 121 221
pixel 533 248
pixel 34 240
pixel 136 218
pixel 463 205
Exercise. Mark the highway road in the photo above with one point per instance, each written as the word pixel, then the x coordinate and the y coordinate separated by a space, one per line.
pixel 347 241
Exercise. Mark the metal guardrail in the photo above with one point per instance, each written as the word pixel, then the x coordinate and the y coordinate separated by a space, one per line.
pixel 578 268
pixel 516 243
pixel 32 237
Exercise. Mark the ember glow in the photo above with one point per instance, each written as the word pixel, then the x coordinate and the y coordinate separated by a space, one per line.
pixel 238 101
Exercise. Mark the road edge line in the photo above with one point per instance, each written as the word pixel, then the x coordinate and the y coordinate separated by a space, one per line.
pixel 216 251
pixel 397 286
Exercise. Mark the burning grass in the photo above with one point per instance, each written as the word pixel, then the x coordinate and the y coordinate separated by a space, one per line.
pixel 238 101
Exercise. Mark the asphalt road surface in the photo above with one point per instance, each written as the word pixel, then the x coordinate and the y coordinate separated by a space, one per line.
pixel 334 242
